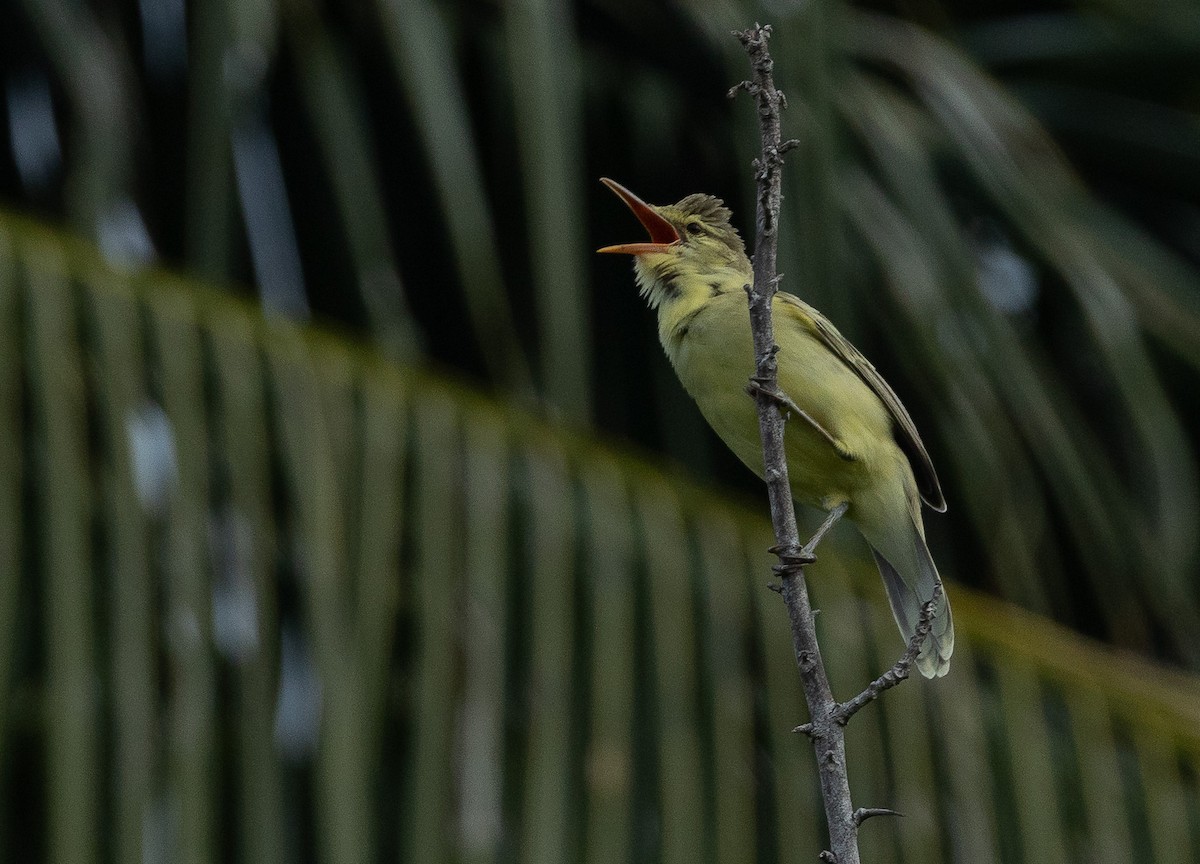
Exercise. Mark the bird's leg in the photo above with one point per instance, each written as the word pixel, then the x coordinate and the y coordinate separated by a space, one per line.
pixel 835 514
pixel 757 386
pixel 793 557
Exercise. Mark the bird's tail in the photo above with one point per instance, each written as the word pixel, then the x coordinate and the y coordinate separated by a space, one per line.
pixel 910 577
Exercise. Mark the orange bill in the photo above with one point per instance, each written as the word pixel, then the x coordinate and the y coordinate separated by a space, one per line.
pixel 662 232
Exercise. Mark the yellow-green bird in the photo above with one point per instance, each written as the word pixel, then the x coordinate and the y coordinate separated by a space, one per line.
pixel 852 443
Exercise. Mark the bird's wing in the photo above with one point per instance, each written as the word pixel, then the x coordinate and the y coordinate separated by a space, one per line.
pixel 905 430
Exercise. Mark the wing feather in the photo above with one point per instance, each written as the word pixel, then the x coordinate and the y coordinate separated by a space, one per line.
pixel 905 430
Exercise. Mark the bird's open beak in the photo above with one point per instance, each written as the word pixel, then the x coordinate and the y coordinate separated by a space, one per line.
pixel 662 232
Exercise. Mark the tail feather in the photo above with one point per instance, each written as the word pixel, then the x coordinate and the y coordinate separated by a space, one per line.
pixel 908 595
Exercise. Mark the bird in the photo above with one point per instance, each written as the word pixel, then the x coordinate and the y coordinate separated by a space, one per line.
pixel 851 443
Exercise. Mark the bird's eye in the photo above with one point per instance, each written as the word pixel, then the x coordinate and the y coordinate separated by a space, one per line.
pixel 694 228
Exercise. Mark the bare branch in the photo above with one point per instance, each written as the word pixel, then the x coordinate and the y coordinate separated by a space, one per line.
pixel 826 728
pixel 827 735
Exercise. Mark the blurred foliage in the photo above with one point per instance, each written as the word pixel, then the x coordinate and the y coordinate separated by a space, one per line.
pixel 282 599
pixel 425 171
pixel 999 202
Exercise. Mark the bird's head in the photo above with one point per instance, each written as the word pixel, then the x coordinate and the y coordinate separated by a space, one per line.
pixel 691 243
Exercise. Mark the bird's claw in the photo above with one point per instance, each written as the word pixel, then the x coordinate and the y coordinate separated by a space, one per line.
pixel 758 387
pixel 790 557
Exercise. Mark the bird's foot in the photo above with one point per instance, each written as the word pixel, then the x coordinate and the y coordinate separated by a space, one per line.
pixel 792 556
pixel 757 387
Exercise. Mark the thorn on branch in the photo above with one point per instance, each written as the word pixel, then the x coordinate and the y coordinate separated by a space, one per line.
pixel 776 587
pixel 862 814
pixel 828 857
pixel 790 144
pixel 749 86
pixel 755 37
pixel 805 729
pixel 775 157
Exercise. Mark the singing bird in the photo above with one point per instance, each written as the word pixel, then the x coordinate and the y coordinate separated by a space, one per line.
pixel 852 442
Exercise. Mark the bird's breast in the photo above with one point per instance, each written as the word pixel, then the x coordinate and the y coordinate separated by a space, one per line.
pixel 712 351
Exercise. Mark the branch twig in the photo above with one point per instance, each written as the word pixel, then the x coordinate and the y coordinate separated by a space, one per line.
pixel 889 679
pixel 829 718
pixel 827 735
pixel 898 672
